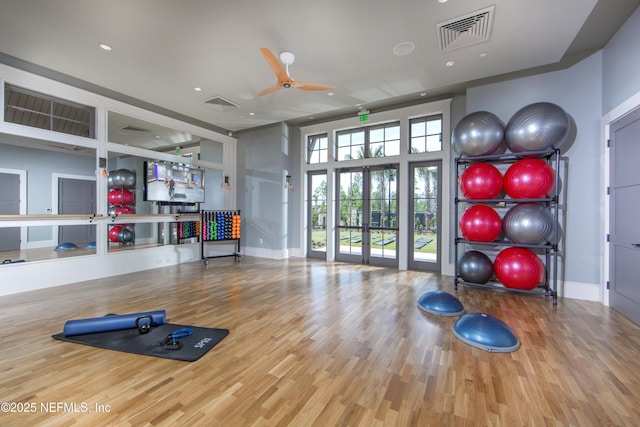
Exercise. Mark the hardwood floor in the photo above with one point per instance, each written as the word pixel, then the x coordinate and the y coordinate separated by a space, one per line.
pixel 317 344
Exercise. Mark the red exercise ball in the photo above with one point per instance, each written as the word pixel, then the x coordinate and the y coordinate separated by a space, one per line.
pixel 481 181
pixel 113 233
pixel 480 223
pixel 120 197
pixel 518 268
pixel 125 210
pixel 529 179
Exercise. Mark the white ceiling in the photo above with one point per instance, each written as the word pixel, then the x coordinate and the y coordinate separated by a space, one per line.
pixel 162 49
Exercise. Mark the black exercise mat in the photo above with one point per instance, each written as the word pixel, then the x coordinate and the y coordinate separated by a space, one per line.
pixel 150 344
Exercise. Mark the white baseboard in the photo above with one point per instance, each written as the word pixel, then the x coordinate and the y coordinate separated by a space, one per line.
pixel 581 291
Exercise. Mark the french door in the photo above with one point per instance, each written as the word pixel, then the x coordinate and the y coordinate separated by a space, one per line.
pixel 367 215
pixel 317 211
pixel 425 219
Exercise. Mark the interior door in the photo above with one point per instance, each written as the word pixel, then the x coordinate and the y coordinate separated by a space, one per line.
pixel 76 196
pixel 9 205
pixel 624 238
pixel 366 215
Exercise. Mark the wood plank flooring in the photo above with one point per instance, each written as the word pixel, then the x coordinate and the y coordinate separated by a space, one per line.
pixel 316 344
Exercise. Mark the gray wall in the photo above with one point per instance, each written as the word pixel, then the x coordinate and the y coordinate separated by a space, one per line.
pixel 40 164
pixel 621 64
pixel 577 91
pixel 270 215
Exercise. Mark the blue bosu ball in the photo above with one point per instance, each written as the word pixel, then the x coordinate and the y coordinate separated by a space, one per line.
pixel 486 333
pixel 90 245
pixel 440 303
pixel 66 246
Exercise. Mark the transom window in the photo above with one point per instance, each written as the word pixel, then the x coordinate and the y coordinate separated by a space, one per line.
pixel 317 149
pixel 373 141
pixel 425 134
pixel 29 108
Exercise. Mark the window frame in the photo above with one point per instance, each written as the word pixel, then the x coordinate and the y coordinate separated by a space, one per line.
pixel 426 135
pixel 365 149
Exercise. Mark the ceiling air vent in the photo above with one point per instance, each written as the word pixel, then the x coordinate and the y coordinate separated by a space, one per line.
pixel 465 30
pixel 220 104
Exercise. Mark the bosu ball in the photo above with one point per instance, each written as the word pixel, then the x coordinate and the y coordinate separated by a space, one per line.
pixel 486 333
pixel 440 303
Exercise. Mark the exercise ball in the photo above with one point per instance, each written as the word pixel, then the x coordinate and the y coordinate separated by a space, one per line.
pixel 121 178
pixel 124 210
pixel 518 268
pixel 475 267
pixel 120 197
pixel 537 127
pixel 481 181
pixel 528 223
pixel 480 223
pixel 130 179
pixel 125 235
pixel 478 134
pixel 529 179
pixel 113 233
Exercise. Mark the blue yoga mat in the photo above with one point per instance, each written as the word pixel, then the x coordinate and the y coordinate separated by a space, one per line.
pixel 111 322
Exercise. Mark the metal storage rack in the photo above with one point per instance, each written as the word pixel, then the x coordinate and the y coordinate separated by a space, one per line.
pixel 549 251
pixel 220 226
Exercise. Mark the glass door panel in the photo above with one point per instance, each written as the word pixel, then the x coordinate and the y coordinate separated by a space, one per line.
pixel 424 219
pixel 383 215
pixel 367 216
pixel 350 226
pixel 317 199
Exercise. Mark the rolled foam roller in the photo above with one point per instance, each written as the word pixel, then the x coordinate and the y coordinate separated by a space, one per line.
pixel 112 322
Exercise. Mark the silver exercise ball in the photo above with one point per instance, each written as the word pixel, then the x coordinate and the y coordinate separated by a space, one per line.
pixel 528 223
pixel 121 178
pixel 478 134
pixel 537 127
pixel 475 267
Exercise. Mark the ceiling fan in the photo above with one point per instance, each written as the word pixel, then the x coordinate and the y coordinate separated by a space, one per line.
pixel 282 73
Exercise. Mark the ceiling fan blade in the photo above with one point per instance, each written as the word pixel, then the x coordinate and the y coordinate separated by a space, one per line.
pixel 311 86
pixel 275 64
pixel 269 90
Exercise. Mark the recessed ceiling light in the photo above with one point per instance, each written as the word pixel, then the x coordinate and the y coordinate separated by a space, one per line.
pixel 403 48
pixel 330 93
pixel 442 1
pixel 197 89
pixel 450 63
pixel 105 46
pixel 252 114
pixel 311 117
pixel 423 93
pixel 483 54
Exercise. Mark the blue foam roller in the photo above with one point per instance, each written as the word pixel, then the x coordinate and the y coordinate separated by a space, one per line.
pixel 112 322
pixel 485 332
pixel 440 303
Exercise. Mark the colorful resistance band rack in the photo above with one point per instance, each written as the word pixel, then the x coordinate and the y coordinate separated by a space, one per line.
pixel 220 226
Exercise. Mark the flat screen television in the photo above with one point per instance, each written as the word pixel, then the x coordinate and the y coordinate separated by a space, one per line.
pixel 173 183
